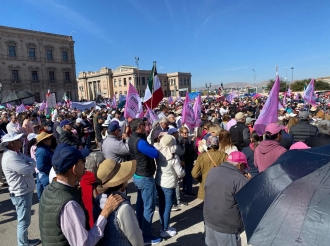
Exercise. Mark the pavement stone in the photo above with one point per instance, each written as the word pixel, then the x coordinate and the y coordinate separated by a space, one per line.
pixel 188 221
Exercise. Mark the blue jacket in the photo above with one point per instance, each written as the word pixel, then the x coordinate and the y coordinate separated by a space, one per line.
pixel 44 158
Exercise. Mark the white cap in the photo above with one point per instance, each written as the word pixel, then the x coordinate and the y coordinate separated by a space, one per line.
pixel 172 130
pixel 31 136
pixel 11 137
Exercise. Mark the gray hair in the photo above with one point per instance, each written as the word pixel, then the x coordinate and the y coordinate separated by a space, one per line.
pixel 324 126
pixel 163 120
pixel 93 160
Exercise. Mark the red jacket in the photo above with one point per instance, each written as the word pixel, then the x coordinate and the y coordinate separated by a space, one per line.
pixel 87 184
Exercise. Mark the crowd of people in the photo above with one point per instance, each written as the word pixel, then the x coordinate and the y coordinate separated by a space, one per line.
pixel 80 163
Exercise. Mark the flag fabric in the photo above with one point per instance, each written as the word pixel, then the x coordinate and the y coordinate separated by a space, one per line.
pixel 230 97
pixel 133 105
pixel 289 92
pixel 297 96
pixel 48 93
pixel 269 113
pixel 280 106
pixel 219 90
pixel 188 116
pixel 309 93
pixel 114 102
pixel 284 100
pixel 154 93
pixel 178 98
pixel 121 98
pixel 197 110
pixel 42 106
pixel 21 108
pixel 9 106
pixel 66 98
pixel 151 115
pixel 170 100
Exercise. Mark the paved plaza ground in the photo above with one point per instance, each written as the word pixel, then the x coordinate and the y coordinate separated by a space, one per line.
pixel 187 221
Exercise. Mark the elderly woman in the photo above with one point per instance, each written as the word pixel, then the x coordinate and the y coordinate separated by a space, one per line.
pixel 122 227
pixel 206 161
pixel 88 182
pixel 168 170
pixel 44 156
pixel 18 169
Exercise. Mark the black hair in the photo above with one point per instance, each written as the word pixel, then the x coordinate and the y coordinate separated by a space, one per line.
pixel 113 189
pixel 135 123
pixel 269 136
pixel 32 142
pixel 255 138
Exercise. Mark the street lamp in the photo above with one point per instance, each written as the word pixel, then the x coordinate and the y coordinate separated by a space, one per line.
pixel 138 79
pixel 208 88
pixel 276 71
pixel 292 74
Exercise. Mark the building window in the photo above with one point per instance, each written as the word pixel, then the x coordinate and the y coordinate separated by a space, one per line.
pixel 12 51
pixel 143 80
pixel 174 82
pixel 184 81
pixel 49 54
pixel 120 93
pixel 67 76
pixel 14 75
pixel 68 93
pixel 51 76
pixel 34 75
pixel 165 93
pixel 164 82
pixel 125 92
pixel 115 83
pixel 187 81
pixel 32 52
pixel 125 80
pixel 119 82
pixel 65 55
pixel 181 82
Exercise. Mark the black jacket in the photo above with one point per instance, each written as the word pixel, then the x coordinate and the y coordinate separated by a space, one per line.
pixel 303 130
pixel 320 139
pixel 68 138
pixel 221 211
pixel 240 135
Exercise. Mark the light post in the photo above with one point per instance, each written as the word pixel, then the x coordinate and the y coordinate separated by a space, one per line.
pixel 254 76
pixel 276 71
pixel 176 91
pixel 208 88
pixel 292 74
pixel 138 78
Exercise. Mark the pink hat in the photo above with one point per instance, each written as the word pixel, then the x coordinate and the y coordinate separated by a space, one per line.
pixel 237 156
pixel 299 145
pixel 273 128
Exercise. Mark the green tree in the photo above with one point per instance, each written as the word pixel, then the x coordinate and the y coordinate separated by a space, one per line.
pixel 299 85
pixel 283 85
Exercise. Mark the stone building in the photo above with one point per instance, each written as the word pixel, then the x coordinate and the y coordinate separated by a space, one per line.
pixel 107 82
pixel 35 62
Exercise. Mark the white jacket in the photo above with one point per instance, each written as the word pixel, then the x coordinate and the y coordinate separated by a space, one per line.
pixel 168 171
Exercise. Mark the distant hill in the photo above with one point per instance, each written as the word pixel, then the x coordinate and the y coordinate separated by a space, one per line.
pixel 231 85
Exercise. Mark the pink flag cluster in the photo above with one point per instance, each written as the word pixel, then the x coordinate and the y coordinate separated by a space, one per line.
pixel 309 93
pixel 151 115
pixel 133 105
pixel 21 108
pixel 191 115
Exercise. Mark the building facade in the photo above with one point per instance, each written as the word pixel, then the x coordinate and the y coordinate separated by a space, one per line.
pixel 107 82
pixel 35 61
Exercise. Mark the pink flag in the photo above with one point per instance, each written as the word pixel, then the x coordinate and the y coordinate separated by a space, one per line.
pixel 114 102
pixel 21 108
pixel 309 93
pixel 42 106
pixel 297 96
pixel 269 112
pixel 197 110
pixel 280 106
pixel 188 116
pixel 284 100
pixel 170 100
pixel 151 115
pixel 289 92
pixel 133 105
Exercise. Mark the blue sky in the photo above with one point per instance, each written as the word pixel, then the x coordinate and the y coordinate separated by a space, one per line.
pixel 216 40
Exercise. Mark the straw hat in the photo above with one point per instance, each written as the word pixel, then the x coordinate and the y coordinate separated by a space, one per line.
pixel 111 174
pixel 43 136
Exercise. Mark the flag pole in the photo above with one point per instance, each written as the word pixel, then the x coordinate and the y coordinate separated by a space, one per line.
pixel 153 80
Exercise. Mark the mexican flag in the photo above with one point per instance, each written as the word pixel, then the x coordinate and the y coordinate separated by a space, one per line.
pixel 154 93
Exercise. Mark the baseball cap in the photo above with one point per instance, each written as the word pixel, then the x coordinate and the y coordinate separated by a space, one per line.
pixel 47 116
pixel 239 116
pixel 237 156
pixel 249 120
pixel 31 136
pixel 113 126
pixel 172 130
pixel 273 128
pixel 299 145
pixel 80 120
pixel 65 122
pixel 65 157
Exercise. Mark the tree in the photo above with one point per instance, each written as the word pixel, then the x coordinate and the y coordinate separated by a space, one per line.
pixel 300 84
pixel 283 86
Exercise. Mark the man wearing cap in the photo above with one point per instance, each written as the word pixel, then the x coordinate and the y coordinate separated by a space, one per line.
pixel 144 154
pixel 303 129
pixel 66 135
pixel 62 217
pixel 240 133
pixel 269 150
pixel 57 127
pixel 119 118
pixel 112 146
pixel 18 169
pixel 223 222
